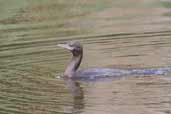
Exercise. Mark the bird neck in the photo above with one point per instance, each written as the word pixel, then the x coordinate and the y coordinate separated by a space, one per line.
pixel 73 65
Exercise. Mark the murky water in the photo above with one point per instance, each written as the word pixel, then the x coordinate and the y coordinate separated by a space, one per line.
pixel 120 33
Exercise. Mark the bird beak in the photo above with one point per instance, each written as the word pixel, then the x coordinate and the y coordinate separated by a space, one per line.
pixel 66 46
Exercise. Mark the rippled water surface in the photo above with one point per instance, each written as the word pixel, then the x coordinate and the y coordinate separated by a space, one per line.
pixel 115 33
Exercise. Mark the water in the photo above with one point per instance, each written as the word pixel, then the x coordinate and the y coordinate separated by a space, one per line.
pixel 122 34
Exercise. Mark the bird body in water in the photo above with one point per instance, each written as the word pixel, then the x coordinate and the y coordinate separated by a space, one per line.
pixel 77 54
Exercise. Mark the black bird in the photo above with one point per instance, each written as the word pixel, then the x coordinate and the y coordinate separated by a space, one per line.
pixel 77 54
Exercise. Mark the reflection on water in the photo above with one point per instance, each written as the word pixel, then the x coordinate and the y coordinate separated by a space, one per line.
pixel 78 95
pixel 123 33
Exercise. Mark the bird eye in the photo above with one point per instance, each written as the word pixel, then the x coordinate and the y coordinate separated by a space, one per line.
pixel 71 45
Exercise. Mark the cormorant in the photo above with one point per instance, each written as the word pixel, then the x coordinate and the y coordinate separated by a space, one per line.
pixel 77 54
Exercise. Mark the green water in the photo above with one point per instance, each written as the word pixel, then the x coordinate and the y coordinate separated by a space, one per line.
pixel 122 33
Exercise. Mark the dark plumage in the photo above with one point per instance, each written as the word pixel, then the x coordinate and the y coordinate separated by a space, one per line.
pixel 77 54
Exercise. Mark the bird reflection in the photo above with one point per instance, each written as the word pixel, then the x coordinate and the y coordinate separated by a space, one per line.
pixel 77 93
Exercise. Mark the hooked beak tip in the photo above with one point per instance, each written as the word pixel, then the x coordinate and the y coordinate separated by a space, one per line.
pixel 66 46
